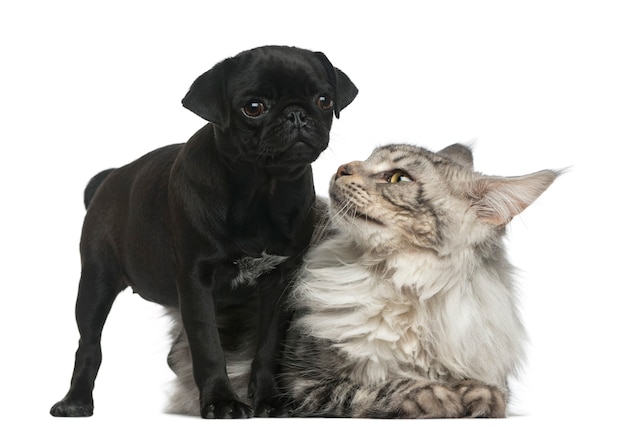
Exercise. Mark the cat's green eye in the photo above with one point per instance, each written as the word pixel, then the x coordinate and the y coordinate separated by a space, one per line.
pixel 399 177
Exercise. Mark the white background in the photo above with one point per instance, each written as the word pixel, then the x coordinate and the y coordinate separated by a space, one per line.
pixel 89 85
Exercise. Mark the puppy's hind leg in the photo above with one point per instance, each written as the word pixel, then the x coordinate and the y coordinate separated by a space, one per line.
pixel 99 285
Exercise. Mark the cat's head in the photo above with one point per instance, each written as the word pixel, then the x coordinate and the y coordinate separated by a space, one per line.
pixel 406 197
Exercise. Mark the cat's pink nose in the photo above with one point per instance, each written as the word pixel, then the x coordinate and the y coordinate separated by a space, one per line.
pixel 344 170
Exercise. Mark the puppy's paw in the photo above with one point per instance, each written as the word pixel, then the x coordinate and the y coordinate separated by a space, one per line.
pixel 272 408
pixel 481 400
pixel 264 394
pixel 218 401
pixel 71 409
pixel 225 409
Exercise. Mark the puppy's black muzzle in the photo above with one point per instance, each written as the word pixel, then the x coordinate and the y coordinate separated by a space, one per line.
pixel 297 118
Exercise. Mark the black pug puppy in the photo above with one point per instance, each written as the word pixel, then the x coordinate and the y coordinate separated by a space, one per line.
pixel 214 225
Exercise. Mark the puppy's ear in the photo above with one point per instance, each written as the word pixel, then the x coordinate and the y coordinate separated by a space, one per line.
pixel 345 90
pixel 207 95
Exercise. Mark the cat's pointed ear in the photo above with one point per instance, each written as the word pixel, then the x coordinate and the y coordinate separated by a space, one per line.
pixel 496 200
pixel 460 153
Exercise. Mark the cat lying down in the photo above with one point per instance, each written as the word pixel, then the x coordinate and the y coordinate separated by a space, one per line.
pixel 406 306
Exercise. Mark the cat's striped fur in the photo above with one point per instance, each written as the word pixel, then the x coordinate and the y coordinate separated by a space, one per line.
pixel 408 308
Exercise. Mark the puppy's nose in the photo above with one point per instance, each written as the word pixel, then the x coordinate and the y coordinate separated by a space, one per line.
pixel 344 170
pixel 297 118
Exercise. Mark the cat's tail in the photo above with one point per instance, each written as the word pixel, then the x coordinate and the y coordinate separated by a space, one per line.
pixel 94 184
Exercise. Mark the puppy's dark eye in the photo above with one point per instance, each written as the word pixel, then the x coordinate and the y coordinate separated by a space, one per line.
pixel 254 109
pixel 324 102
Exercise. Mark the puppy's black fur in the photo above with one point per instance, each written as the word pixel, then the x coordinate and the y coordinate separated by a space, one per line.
pixel 175 224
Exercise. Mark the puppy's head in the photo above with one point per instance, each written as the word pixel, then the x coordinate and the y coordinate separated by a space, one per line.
pixel 272 105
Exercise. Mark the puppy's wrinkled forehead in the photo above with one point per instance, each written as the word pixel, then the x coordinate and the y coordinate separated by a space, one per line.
pixel 275 72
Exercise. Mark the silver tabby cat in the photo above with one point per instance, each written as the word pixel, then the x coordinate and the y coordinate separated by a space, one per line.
pixel 406 308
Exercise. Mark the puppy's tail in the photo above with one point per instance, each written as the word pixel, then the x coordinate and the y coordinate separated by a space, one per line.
pixel 94 184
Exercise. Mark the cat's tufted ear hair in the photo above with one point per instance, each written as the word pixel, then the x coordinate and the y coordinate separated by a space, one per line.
pixel 462 154
pixel 496 200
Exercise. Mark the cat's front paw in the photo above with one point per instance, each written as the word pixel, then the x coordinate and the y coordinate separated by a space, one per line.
pixel 432 401
pixel 481 400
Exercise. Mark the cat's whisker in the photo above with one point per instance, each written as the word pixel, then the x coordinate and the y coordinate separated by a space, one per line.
pixel 341 212
pixel 328 223
pixel 350 214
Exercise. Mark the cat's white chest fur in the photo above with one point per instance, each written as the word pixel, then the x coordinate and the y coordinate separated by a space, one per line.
pixel 431 328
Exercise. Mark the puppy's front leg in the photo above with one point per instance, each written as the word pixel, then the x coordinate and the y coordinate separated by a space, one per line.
pixel 197 305
pixel 273 322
